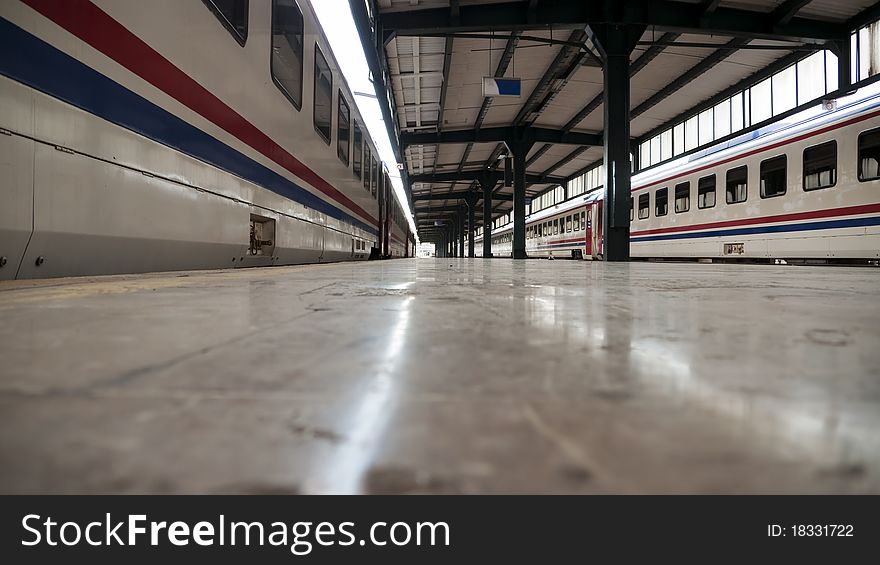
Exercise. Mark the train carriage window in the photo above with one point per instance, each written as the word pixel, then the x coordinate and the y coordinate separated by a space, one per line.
pixel 644 205
pixel 367 168
pixel 661 201
pixel 583 223
pixel 233 14
pixel 631 203
pixel 555 227
pixel 577 222
pixel 323 96
pixel 773 177
pixel 568 224
pixel 682 197
pixel 287 50
pixel 706 192
pixel 820 166
pixel 375 178
pixel 869 155
pixel 737 185
pixel 357 155
pixel 343 129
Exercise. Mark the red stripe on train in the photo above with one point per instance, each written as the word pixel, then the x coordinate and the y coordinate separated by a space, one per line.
pixel 88 22
pixel 846 211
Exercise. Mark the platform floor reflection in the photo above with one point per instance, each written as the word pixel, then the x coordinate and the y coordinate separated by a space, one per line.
pixel 445 376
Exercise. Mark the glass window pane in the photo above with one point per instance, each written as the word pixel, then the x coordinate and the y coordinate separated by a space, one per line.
pixel 830 71
pixel 691 139
pixel 645 154
pixel 358 150
pixel 287 49
pixel 784 90
pixel 666 145
pixel 811 78
pixel 706 192
pixel 367 168
pixel 661 201
pixel 678 139
pixel 773 177
pixel 737 185
pixel 655 150
pixel 323 95
pixel 736 112
pixel 644 204
pixel 343 129
pixel 820 166
pixel 707 127
pixel 869 155
pixel 234 16
pixel 722 119
pixel 682 197
pixel 760 100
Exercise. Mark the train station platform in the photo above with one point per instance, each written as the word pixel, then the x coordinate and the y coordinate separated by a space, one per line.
pixel 444 376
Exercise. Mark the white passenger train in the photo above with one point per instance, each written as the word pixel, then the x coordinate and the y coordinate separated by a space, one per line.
pixel 807 188
pixel 142 136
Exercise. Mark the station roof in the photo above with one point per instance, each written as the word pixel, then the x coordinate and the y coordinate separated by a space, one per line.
pixel 436 53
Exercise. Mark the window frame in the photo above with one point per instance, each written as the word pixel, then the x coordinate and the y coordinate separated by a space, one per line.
pixel 727 184
pixel 357 149
pixel 714 178
pixel 859 155
pixel 647 207
pixel 665 191
pixel 832 142
pixel 329 138
pixel 339 104
pixel 685 184
pixel 230 27
pixel 289 95
pixel 761 166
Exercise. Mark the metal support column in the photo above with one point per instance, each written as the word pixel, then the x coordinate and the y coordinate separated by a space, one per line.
pixel 472 213
pixel 618 43
pixel 461 230
pixel 488 186
pixel 520 150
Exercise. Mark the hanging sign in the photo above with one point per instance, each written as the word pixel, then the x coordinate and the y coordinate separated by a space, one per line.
pixel 493 86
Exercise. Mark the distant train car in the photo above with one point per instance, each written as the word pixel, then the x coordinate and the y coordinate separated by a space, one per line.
pixel 805 189
pixel 146 136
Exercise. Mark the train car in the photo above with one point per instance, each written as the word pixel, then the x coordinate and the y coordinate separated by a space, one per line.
pixel 804 189
pixel 166 135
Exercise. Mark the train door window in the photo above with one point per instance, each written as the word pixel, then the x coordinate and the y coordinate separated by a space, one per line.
pixel 367 159
pixel 357 152
pixel 869 155
pixel 375 180
pixel 287 50
pixel 343 129
pixel 773 177
pixel 583 223
pixel 737 185
pixel 682 197
pixel 706 192
pixel 323 102
pixel 820 166
pixel 644 205
pixel 661 201
pixel 233 14
pixel 631 208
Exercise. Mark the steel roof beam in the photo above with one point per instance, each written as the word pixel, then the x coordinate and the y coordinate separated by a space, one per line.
pixel 508 134
pixel 475 175
pixel 460 195
pixel 672 15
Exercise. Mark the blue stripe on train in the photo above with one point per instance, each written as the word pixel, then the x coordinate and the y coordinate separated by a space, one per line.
pixel 781 228
pixel 31 61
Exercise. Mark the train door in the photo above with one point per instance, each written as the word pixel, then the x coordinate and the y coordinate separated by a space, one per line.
pixel 595 221
pixel 588 231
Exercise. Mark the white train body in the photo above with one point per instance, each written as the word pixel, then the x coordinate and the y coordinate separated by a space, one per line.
pixel 812 191
pixel 143 136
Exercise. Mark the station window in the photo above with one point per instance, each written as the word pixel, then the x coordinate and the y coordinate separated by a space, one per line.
pixel 661 201
pixel 820 166
pixel 343 129
pixel 644 205
pixel 706 192
pixel 773 177
pixel 287 50
pixel 233 14
pixel 323 96
pixel 358 150
pixel 682 197
pixel 869 155
pixel 737 185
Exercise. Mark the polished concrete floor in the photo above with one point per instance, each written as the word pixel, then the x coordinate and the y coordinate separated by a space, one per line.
pixel 444 376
